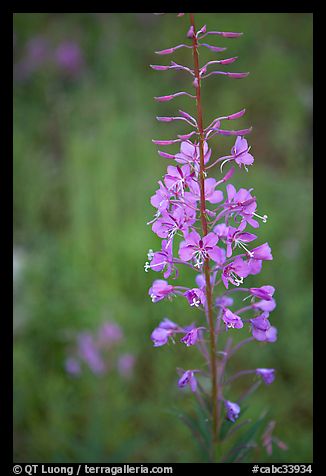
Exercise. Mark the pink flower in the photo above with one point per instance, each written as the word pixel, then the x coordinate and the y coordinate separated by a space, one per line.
pixel 234 272
pixel 231 320
pixel 191 337
pixel 199 249
pixel 178 178
pixel 161 260
pixel 188 378
pixel 262 329
pixel 159 290
pixel 161 334
pixel 240 152
pixel 195 297
pixel 126 363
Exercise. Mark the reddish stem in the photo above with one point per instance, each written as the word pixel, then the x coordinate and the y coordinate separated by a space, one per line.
pixel 206 267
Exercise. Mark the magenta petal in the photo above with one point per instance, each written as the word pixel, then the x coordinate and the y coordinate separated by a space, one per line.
pixel 184 137
pixel 160 337
pixel 193 383
pixel 236 115
pixel 165 142
pixel 218 255
pixel 231 191
pixel 228 175
pixel 225 34
pixel 262 252
pixel 164 98
pixel 159 67
pixel 246 159
pixel 237 75
pixel 164 119
pixel 210 239
pixel 268 289
pixel 172 96
pixel 225 281
pixel 216 197
pixel 230 75
pixel 265 305
pixel 165 155
pixel 230 34
pixel 210 184
pixel 212 48
pixel 185 251
pixel 241 132
pixel 246 237
pixel 171 50
pixel 193 238
pixel 271 334
pixel 228 60
pixel 187 148
pixel 173 171
pixel 259 335
pixel 241 145
pixel 165 52
pixel 255 266
pixel 187 116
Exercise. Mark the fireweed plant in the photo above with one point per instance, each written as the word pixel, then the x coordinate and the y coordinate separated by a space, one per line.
pixel 206 225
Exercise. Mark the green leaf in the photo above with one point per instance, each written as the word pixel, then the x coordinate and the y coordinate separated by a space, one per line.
pixel 244 443
pixel 196 430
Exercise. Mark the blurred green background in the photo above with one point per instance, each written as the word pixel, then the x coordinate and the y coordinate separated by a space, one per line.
pixel 84 171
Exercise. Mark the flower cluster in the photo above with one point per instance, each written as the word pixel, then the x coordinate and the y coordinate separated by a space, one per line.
pixel 98 352
pixel 207 225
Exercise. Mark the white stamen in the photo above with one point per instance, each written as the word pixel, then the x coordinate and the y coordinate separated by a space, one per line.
pixel 179 186
pixel 156 216
pixel 195 302
pixel 240 243
pixel 263 218
pixel 171 234
pixel 150 255
pixel 224 162
pixel 153 297
pixel 237 279
pixel 199 257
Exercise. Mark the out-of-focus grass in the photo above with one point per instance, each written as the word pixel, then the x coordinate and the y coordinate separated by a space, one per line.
pixel 84 169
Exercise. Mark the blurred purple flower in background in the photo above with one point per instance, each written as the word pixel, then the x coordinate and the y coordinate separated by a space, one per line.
pixel 109 333
pixel 126 363
pixel 100 351
pixel 88 351
pixel 38 54
pixel 37 50
pixel 268 439
pixel 69 58
pixel 72 366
